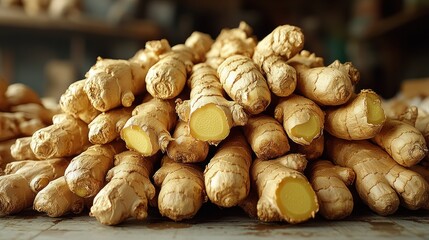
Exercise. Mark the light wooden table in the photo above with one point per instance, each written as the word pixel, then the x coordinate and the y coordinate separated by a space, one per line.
pixel 214 223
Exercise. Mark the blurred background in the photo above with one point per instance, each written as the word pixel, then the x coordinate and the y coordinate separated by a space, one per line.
pixel 48 44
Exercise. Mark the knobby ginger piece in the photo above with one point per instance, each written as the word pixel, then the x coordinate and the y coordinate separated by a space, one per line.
pixel 21 149
pixel 380 182
pixel 57 200
pixel 226 176
pixel 128 189
pixel 86 172
pixel 67 136
pixel 330 182
pixel 182 191
pixel 244 83
pixel 312 151
pixel 19 93
pixel 148 130
pixel 302 119
pixel 209 115
pixel 24 179
pixel 360 119
pixel 75 102
pixel 185 148
pixel 284 192
pixel 266 136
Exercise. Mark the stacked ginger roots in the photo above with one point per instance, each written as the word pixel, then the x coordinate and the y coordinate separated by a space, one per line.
pixel 263 125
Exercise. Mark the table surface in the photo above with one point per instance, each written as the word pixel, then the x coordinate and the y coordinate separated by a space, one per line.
pixel 214 223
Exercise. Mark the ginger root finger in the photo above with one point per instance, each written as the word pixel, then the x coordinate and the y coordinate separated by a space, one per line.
pixel 107 126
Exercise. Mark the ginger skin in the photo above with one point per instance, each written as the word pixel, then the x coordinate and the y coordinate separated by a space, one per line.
pixel 18 94
pixel 284 192
pixel 57 200
pixel 226 176
pixel 380 182
pixel 86 172
pixel 266 136
pixel 271 55
pixel 128 189
pixel 404 143
pixel 148 130
pixel 209 115
pixel 107 126
pixel 327 86
pixel 111 83
pixel 75 102
pixel 24 179
pixel 66 137
pixel 312 151
pixel 360 119
pixel 302 119
pixel 244 83
pixel 21 149
pixel 182 191
pixel 17 124
pixel 330 182
pixel 185 148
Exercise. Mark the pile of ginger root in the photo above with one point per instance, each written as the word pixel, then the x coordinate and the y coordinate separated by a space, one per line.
pixel 261 124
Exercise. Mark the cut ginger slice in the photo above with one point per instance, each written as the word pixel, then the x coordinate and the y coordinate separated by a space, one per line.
pixel 375 112
pixel 138 140
pixel 308 130
pixel 209 123
pixel 296 199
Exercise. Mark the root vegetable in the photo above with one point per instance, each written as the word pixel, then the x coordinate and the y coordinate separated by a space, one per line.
pixel 107 126
pixel 330 182
pixel 271 55
pixel 380 182
pixel 114 82
pixel 185 148
pixel 200 43
pixel 57 200
pixel 302 119
pixel 67 136
pixel 307 59
pixel 181 192
pixel 128 190
pixel 148 56
pixel 14 125
pixel 34 111
pixel 244 83
pixel 75 102
pixel 209 115
pixel 312 151
pixel 148 130
pixel 21 149
pixel 24 179
pixel 330 86
pixel 5 152
pixel 284 192
pixel 86 173
pixel 226 176
pixel 362 118
pixel 404 143
pixel 19 93
pixel 266 136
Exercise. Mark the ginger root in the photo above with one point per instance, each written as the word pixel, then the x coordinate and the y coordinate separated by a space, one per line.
pixel 362 118
pixel 284 192
pixel 312 151
pixel 56 199
pixel 107 126
pixel 330 182
pixel 226 176
pixel 266 136
pixel 24 179
pixel 86 172
pixel 209 115
pixel 302 119
pixel 128 189
pixel 75 102
pixel 380 182
pixel 185 148
pixel 21 149
pixel 148 130
pixel 66 137
pixel 244 83
pixel 181 192
pixel 19 93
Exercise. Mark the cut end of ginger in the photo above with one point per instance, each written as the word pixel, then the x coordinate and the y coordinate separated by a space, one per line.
pixel 375 112
pixel 137 139
pixel 209 123
pixel 308 130
pixel 296 200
